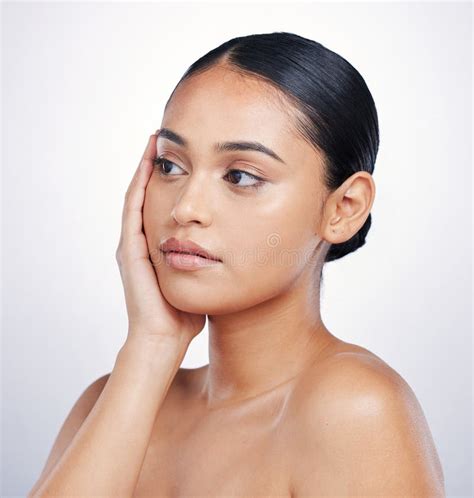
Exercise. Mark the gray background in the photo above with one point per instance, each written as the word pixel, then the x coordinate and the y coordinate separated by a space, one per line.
pixel 84 85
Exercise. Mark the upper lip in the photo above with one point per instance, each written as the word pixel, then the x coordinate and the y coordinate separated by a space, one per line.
pixel 186 246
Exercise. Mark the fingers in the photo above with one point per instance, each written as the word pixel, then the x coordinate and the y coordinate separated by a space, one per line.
pixel 135 195
pixel 145 165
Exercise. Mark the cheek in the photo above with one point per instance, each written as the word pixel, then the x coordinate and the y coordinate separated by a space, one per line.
pixel 274 232
pixel 271 243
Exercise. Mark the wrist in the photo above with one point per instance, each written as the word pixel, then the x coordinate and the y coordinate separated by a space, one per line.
pixel 154 346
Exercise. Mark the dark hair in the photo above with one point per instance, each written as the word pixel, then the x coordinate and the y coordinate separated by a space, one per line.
pixel 336 109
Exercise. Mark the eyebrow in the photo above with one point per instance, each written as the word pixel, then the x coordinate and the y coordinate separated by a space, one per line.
pixel 222 146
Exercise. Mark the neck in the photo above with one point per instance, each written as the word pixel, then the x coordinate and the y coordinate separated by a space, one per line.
pixel 254 350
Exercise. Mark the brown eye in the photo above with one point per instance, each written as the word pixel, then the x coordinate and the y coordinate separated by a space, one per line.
pixel 164 166
pixel 232 173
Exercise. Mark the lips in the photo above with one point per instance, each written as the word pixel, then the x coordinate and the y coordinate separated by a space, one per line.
pixel 187 247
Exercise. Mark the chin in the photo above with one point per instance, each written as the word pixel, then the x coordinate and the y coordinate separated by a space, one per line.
pixel 197 298
pixel 185 296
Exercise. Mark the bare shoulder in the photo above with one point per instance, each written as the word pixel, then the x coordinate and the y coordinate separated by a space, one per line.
pixel 347 374
pixel 183 381
pixel 361 430
pixel 72 423
pixel 81 408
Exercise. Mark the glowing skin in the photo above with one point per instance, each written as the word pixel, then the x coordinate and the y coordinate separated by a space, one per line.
pixel 284 408
pixel 262 300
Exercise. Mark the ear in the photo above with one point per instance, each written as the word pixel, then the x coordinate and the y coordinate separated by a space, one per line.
pixel 348 207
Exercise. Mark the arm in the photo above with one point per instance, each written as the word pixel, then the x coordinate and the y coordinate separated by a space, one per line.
pixel 71 425
pixel 106 455
pixel 367 436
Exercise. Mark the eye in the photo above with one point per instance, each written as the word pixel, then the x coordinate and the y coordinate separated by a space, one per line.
pixel 168 166
pixel 258 181
pixel 161 161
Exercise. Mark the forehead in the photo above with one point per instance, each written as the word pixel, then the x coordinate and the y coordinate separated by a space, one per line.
pixel 221 104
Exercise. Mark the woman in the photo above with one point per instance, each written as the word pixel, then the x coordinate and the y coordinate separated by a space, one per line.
pixel 260 173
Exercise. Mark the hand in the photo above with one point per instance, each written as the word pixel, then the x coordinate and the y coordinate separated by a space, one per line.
pixel 150 316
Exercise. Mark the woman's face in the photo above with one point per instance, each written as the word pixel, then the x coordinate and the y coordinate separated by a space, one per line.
pixel 266 236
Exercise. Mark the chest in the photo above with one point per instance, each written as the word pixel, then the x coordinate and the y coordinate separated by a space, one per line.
pixel 238 454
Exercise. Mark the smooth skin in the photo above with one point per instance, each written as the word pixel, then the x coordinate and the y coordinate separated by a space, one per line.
pixel 284 407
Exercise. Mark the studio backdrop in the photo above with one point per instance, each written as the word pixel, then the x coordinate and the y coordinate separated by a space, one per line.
pixel 84 84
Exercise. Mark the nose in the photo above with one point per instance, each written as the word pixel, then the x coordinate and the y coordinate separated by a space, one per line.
pixel 192 206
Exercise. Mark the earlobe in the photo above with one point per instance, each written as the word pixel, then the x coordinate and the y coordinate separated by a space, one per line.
pixel 334 231
pixel 336 220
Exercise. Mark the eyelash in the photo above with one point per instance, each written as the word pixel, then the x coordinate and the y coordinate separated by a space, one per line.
pixel 159 161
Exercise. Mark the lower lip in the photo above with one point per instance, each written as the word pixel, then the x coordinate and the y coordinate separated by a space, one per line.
pixel 182 261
